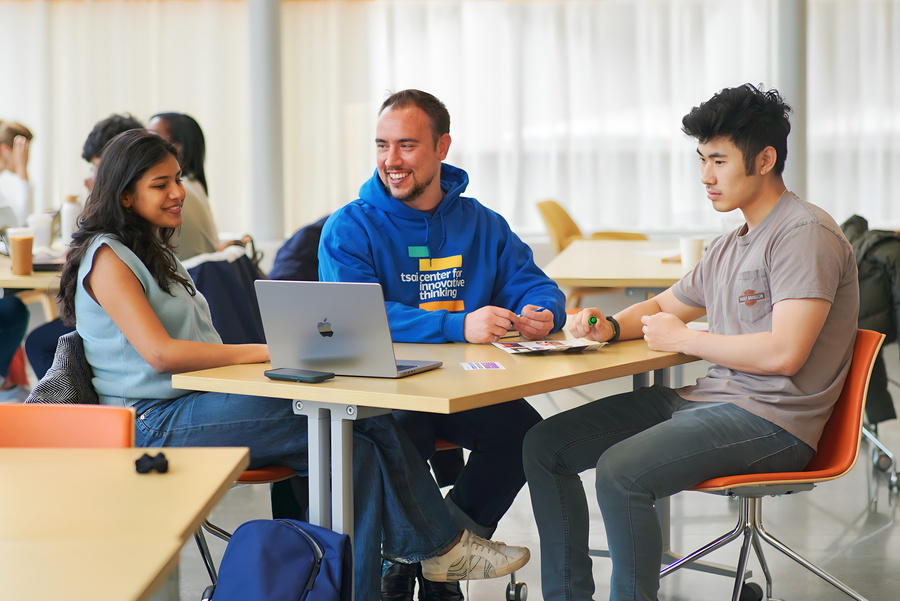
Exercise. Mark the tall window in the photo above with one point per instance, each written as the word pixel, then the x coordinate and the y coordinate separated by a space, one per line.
pixel 579 100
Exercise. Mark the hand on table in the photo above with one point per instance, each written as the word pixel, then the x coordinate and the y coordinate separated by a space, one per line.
pixel 535 322
pixel 591 324
pixel 489 324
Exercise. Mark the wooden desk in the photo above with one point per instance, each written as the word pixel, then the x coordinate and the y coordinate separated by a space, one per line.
pixel 615 264
pixel 95 570
pixel 82 523
pixel 331 406
pixel 38 280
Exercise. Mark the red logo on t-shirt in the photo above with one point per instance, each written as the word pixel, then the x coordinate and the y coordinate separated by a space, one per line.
pixel 749 297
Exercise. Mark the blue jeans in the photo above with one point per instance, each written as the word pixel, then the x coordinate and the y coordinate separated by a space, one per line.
pixel 13 324
pixel 493 474
pixel 398 507
pixel 645 445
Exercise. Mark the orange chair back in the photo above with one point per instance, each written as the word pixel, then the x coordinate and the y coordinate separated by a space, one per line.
pixel 561 227
pixel 839 445
pixel 66 426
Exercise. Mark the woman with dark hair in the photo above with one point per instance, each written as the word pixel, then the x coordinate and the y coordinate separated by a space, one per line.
pixel 142 319
pixel 198 234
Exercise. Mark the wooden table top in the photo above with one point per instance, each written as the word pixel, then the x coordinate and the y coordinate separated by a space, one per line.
pixel 38 280
pixel 97 494
pixel 616 264
pixel 450 388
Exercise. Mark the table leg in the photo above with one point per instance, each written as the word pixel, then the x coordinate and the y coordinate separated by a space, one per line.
pixel 331 460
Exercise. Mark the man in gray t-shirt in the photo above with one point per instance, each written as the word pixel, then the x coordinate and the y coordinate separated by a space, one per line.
pixel 781 297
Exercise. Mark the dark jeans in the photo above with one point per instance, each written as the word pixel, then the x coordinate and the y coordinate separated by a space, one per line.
pixel 644 445
pixel 40 346
pixel 13 324
pixel 493 474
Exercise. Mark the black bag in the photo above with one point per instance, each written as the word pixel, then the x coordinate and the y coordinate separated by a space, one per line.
pixel 289 560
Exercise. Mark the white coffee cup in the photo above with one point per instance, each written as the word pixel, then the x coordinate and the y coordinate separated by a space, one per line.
pixel 42 224
pixel 691 250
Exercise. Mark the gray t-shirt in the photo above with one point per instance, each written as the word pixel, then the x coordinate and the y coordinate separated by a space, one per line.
pixel 798 251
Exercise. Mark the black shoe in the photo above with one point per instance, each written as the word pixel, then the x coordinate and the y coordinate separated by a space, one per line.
pixel 438 591
pixel 398 582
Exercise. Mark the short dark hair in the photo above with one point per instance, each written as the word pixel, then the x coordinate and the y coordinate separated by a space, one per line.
pixel 434 108
pixel 185 132
pixel 106 130
pixel 748 116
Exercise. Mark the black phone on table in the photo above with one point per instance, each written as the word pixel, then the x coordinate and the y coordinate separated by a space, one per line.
pixel 298 375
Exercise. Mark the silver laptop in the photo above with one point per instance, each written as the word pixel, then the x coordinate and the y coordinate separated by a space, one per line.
pixel 340 327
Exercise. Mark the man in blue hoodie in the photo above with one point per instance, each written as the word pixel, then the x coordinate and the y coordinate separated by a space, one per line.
pixel 452 271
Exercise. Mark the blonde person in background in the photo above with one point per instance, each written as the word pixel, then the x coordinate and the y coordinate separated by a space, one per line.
pixel 15 194
pixel 15 190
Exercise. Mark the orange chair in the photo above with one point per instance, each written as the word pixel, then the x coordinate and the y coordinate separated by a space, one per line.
pixel 836 455
pixel 66 426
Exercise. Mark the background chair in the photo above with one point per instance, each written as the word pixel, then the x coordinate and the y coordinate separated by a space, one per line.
pixel 836 455
pixel 563 230
pixel 66 426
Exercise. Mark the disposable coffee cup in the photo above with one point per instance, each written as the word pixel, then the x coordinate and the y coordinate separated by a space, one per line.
pixel 691 251
pixel 42 225
pixel 21 242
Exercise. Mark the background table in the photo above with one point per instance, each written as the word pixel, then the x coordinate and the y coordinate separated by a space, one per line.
pixel 38 280
pixel 116 534
pixel 616 264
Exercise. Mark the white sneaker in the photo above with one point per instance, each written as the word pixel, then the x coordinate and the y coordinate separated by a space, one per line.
pixel 475 558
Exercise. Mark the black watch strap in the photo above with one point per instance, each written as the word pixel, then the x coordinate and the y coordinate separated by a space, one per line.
pixel 615 326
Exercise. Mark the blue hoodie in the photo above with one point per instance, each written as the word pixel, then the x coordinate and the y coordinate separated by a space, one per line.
pixel 434 269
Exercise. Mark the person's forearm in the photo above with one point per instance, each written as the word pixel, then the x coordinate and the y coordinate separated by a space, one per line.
pixel 761 354
pixel 186 355
pixel 629 319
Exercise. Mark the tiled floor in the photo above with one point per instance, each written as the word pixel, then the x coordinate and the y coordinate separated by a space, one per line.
pixel 847 527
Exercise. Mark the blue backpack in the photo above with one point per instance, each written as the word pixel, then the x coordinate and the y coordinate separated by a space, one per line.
pixel 285 560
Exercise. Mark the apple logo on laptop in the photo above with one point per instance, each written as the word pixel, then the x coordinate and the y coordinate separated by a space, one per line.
pixel 324 328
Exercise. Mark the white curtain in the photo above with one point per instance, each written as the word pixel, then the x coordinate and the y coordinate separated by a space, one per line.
pixel 577 100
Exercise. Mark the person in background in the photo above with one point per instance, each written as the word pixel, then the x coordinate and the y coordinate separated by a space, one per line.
pixel 198 235
pixel 15 189
pixel 40 345
pixel 15 195
pixel 451 270
pixel 142 319
pixel 781 297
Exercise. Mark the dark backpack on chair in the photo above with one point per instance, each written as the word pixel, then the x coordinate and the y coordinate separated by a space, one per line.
pixel 285 560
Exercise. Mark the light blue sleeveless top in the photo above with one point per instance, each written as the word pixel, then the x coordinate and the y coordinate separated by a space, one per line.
pixel 121 376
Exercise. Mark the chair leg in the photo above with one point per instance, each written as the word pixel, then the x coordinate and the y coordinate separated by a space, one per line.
pixel 886 462
pixel 741 528
pixel 206 556
pixel 758 527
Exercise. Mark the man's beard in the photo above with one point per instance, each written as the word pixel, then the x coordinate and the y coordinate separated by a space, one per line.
pixel 413 194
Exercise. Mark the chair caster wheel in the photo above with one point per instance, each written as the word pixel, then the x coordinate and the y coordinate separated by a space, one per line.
pixel 883 462
pixel 208 593
pixel 516 591
pixel 751 592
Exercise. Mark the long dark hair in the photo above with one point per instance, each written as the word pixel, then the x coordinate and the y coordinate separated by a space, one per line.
pixel 185 132
pixel 125 159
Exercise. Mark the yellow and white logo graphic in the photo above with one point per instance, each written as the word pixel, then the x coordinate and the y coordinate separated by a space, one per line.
pixel 440 281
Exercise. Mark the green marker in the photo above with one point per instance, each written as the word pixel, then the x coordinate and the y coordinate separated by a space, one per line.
pixel 592 320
